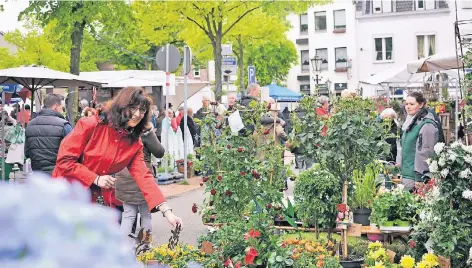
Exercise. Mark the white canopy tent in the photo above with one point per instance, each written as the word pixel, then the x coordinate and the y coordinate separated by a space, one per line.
pixel 435 63
pixel 396 77
pixel 144 78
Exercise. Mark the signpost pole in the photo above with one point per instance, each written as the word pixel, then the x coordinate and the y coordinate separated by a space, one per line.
pixel 186 55
pixel 167 99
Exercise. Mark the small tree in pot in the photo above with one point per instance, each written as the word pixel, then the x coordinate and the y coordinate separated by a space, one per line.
pixel 353 140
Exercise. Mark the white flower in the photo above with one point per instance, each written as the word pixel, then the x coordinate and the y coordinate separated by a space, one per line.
pixel 467 194
pixel 464 174
pixel 442 161
pixel 439 147
pixel 433 167
pixel 456 144
pixel 467 149
pixel 468 159
pixel 452 157
pixel 444 172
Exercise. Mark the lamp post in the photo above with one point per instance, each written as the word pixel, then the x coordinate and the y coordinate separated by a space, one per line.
pixel 316 66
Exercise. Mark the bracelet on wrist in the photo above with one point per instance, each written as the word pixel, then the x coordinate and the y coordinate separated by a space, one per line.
pixel 165 211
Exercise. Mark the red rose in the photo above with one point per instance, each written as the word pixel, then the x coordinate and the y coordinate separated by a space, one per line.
pixel 341 207
pixel 228 146
pixel 228 263
pixel 194 208
pixel 213 192
pixel 251 256
pixel 252 234
pixel 238 265
pixel 205 179
pixel 240 149
pixel 220 178
pixel 228 193
pixel 266 131
pixel 269 206
pixel 243 173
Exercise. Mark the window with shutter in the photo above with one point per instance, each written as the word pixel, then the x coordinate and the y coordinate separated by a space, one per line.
pixel 340 19
pixel 322 53
pixel 377 6
pixel 304 23
pixel 320 21
pixel 305 60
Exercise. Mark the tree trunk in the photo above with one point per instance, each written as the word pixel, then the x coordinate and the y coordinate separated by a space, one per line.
pixel 77 38
pixel 218 65
pixel 241 64
pixel 157 91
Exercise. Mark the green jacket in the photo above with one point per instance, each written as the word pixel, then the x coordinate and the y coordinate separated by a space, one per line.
pixel 417 143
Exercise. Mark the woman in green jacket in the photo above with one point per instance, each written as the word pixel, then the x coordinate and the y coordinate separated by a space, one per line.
pixel 419 135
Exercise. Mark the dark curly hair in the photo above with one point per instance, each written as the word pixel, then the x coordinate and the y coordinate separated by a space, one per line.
pixel 117 112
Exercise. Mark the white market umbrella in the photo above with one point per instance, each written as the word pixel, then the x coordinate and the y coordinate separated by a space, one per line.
pixel 435 63
pixel 34 78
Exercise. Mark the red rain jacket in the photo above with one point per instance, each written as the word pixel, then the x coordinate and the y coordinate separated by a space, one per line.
pixel 94 148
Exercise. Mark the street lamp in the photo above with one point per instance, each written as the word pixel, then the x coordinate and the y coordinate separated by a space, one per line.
pixel 316 66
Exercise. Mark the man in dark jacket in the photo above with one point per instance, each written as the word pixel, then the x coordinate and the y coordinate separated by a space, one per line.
pixel 44 134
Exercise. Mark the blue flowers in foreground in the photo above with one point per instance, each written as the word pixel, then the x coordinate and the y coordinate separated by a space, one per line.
pixel 52 223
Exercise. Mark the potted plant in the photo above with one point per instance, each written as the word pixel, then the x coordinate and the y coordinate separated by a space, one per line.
pixel 316 194
pixel 181 166
pixel 396 207
pixel 365 189
pixel 353 140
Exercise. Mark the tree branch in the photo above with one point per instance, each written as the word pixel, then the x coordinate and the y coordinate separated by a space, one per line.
pixel 210 34
pixel 196 23
pixel 240 17
pixel 213 20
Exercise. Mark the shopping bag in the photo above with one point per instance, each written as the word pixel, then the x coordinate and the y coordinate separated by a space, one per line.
pixel 16 153
pixel 235 122
pixel 15 134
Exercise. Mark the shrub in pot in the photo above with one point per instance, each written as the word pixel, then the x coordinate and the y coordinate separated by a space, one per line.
pixel 396 207
pixel 364 193
pixel 316 194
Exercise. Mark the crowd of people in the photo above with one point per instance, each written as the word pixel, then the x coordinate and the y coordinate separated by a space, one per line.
pixel 110 149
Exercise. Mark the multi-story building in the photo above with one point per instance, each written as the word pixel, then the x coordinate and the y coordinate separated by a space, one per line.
pixel 379 35
pixel 329 32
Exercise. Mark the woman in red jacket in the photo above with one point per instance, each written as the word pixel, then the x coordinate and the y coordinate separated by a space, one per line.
pixel 99 146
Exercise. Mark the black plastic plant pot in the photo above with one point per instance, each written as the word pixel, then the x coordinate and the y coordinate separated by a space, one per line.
pixel 352 263
pixel 362 215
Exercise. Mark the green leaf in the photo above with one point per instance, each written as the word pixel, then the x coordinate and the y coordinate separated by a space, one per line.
pixel 279 259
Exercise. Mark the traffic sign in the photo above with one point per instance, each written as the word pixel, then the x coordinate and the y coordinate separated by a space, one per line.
pixel 251 74
pixel 229 65
pixel 168 52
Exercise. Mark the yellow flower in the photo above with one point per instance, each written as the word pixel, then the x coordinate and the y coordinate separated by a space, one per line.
pixel 378 265
pixel 431 259
pixel 375 245
pixel 422 264
pixel 407 262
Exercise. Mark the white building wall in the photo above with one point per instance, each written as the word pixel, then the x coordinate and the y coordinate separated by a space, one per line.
pixel 404 29
pixel 327 39
pixel 361 29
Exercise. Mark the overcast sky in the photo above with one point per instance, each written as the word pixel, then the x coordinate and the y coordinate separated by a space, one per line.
pixel 9 17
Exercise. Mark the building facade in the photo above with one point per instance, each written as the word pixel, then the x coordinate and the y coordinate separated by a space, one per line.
pixel 379 34
pixel 328 32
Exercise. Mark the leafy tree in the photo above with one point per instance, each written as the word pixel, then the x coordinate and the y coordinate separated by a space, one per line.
pixel 272 60
pixel 251 43
pixel 72 19
pixel 6 59
pixel 216 19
